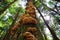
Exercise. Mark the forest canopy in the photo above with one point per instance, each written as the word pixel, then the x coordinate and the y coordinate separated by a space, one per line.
pixel 17 17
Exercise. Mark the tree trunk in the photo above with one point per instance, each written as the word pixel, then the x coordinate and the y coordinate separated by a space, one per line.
pixel 26 28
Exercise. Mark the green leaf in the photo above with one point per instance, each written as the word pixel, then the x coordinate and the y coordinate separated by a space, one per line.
pixel 10 20
pixel 37 4
pixel 1 28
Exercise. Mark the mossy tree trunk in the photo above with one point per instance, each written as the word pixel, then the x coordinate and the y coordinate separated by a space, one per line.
pixel 26 28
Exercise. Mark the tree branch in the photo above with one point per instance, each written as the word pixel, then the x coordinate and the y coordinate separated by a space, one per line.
pixel 56 7
pixel 51 29
pixel 49 8
pixel 7 7
pixel 52 9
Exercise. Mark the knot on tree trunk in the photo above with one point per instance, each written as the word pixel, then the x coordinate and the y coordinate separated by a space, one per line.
pixel 29 36
pixel 32 29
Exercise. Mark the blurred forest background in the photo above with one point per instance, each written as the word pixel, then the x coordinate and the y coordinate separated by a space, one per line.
pixel 11 10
